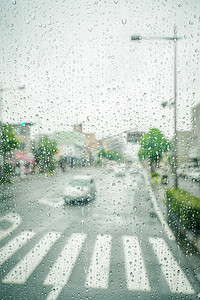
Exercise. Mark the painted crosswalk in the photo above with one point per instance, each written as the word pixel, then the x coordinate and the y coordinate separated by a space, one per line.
pixel 176 279
pixel 97 271
pixel 21 272
pixel 12 220
pixel 52 200
pixel 14 245
pixel 135 269
pixel 61 270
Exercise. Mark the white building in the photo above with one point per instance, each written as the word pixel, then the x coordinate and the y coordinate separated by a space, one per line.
pixel 195 144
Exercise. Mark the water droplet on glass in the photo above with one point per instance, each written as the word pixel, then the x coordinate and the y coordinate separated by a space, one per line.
pixel 124 21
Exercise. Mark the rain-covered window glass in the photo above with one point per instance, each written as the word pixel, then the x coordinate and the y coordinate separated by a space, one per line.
pixel 99 149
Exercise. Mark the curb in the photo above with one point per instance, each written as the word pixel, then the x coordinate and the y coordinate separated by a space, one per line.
pixel 158 211
pixel 192 238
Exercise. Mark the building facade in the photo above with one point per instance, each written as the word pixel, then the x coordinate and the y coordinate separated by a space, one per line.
pixel 183 146
pixel 71 146
pixel 114 143
pixel 23 134
pixel 195 137
pixel 134 136
pixel 92 146
pixel 24 159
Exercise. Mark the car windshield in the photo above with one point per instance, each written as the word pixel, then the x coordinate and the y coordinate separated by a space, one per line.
pixel 99 144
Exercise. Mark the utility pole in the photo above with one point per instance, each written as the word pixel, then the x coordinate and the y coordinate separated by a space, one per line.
pixel 174 39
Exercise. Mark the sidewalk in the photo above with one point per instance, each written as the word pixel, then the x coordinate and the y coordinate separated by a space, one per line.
pixel 188 242
pixel 159 192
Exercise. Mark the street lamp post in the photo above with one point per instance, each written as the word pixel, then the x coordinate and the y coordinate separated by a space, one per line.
pixel 174 39
pixel 5 90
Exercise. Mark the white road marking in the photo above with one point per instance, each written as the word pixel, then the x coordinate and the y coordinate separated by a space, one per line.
pixel 110 219
pixel 21 272
pixel 158 212
pixel 61 270
pixel 176 279
pixel 135 269
pixel 98 273
pixel 12 218
pixel 14 245
pixel 53 201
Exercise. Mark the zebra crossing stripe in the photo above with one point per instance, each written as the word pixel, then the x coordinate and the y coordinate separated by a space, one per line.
pixel 14 245
pixel 61 270
pixel 175 277
pixel 135 268
pixel 21 272
pixel 12 218
pixel 98 273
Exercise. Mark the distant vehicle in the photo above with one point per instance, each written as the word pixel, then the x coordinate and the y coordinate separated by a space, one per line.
pixel 193 174
pixel 120 170
pixel 81 188
pixel 135 168
pixel 185 170
pixel 111 165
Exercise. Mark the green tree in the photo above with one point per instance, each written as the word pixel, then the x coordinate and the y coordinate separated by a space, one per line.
pixel 102 153
pixel 111 155
pixel 153 145
pixel 45 154
pixel 8 143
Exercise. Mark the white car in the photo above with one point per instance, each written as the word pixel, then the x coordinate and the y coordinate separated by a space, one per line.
pixel 181 171
pixel 120 170
pixel 193 174
pixel 135 168
pixel 81 188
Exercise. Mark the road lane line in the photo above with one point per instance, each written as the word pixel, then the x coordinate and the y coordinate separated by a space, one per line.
pixel 14 245
pixel 62 268
pixel 98 273
pixel 136 273
pixel 158 212
pixel 175 277
pixel 53 201
pixel 12 218
pixel 21 272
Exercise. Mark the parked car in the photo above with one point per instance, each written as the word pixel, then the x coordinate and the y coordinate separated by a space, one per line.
pixel 111 165
pixel 135 168
pixel 81 188
pixel 193 174
pixel 181 171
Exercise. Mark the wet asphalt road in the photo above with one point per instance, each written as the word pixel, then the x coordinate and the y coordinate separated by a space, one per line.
pixel 114 247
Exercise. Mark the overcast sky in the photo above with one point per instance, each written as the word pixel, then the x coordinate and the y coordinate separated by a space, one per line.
pixel 78 64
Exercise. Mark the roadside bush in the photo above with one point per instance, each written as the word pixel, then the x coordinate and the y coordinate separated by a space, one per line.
pixel 98 163
pixel 154 174
pixel 185 206
pixel 6 173
pixel 52 165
